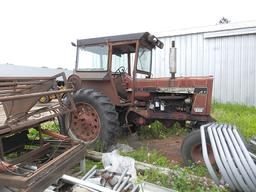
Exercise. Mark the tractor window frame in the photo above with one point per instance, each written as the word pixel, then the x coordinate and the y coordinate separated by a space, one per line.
pixel 105 66
pixel 140 71
pixel 131 56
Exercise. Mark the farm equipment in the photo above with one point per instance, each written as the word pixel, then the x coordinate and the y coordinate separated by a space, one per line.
pixel 114 87
pixel 32 162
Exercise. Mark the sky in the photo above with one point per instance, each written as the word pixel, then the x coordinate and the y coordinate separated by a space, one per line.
pixel 39 32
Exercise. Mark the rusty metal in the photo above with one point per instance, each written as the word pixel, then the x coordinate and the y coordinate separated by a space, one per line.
pixel 46 173
pixel 85 122
pixel 54 134
pixel 197 155
pixel 19 106
pixel 136 96
pixel 32 164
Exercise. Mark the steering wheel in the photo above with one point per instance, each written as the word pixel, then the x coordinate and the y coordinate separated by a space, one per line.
pixel 120 70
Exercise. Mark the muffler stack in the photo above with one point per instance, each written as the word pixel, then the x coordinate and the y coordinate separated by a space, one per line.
pixel 236 164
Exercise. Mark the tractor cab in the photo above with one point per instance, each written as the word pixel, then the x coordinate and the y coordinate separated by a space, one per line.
pixel 111 64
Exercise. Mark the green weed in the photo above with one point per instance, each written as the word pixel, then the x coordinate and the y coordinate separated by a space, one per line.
pixel 244 117
pixel 152 157
pixel 157 130
pixel 178 179
pixel 90 163
pixel 51 125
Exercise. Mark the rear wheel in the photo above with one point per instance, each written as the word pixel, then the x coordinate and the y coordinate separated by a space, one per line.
pixel 94 119
pixel 191 149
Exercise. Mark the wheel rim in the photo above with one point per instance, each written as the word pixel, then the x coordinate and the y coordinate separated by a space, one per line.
pixel 197 155
pixel 85 123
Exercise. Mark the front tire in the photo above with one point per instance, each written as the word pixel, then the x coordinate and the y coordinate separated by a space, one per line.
pixel 191 149
pixel 95 118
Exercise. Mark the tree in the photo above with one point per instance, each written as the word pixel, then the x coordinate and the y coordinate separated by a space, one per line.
pixel 224 20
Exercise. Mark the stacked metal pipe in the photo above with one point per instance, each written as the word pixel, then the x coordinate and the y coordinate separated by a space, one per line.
pixel 104 181
pixel 235 163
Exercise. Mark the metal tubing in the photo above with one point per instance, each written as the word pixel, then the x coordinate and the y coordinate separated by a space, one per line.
pixel 244 168
pixel 245 156
pixel 92 174
pixel 235 158
pixel 125 181
pixel 235 162
pixel 89 172
pixel 235 175
pixel 205 155
pixel 225 156
pixel 82 166
pixel 135 188
pixel 253 156
pixel 28 95
pixel 217 158
pixel 245 151
pixel 74 180
pixel 120 179
pixel 253 142
pixel 32 78
pixel 127 186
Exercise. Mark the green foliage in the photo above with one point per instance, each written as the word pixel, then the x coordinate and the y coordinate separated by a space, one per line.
pixel 178 179
pixel 51 125
pixel 157 130
pixel 177 130
pixel 153 176
pixel 244 117
pixel 89 164
pixel 152 157
pixel 33 134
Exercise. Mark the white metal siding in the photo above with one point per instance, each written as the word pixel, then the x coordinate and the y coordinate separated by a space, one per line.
pixel 229 56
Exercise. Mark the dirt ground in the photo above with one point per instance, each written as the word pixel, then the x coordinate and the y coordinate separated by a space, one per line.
pixel 169 147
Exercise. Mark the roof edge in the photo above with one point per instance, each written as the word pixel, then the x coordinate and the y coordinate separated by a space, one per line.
pixel 206 29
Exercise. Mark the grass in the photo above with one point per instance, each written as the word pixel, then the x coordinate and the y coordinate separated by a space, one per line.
pixel 157 130
pixel 178 180
pixel 244 117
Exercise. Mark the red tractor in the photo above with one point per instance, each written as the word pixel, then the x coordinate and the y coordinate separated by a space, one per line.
pixel 114 88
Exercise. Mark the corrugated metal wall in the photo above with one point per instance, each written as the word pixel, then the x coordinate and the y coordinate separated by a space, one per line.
pixel 229 56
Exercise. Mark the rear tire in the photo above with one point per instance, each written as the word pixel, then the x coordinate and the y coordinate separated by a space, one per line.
pixel 94 120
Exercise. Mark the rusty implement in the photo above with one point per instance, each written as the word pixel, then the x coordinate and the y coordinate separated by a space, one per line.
pixel 19 96
pixel 32 163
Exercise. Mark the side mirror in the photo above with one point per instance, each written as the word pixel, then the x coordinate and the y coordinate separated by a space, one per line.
pixel 73 44
pixel 155 41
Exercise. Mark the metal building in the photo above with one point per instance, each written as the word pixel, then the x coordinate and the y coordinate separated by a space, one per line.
pixel 228 52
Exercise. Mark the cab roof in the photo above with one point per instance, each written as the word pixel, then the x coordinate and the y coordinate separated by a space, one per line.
pixel 116 38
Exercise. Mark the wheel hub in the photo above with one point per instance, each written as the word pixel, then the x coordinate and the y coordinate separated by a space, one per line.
pixel 85 122
pixel 197 154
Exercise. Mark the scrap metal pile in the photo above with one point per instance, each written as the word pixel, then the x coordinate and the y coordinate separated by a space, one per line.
pixel 236 164
pixel 33 162
pixel 104 180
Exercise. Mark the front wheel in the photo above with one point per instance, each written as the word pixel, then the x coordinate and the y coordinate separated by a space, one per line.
pixel 94 119
pixel 191 149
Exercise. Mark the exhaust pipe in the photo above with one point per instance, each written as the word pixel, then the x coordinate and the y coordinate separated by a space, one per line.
pixel 172 60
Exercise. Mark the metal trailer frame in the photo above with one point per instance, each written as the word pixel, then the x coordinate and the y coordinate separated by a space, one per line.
pixel 19 95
